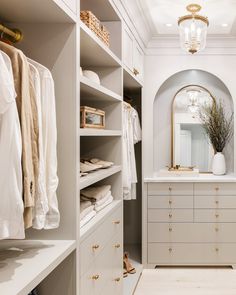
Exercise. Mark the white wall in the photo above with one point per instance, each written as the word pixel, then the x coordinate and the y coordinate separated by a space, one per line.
pixel 158 69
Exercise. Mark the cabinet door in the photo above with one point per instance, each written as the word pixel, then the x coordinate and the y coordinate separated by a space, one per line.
pixel 138 61
pixel 128 48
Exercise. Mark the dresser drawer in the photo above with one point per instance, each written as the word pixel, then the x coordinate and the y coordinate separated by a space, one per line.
pixel 175 202
pixel 166 189
pixel 165 215
pixel 95 243
pixel 191 233
pixel 104 268
pixel 216 216
pixel 223 202
pixel 191 254
pixel 223 189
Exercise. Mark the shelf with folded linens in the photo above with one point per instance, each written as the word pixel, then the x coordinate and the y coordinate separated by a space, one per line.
pixel 99 132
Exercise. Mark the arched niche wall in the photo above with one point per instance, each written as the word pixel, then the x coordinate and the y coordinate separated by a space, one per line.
pixel 162 106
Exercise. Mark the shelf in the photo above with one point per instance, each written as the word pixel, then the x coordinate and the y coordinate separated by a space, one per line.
pixel 99 132
pixel 130 81
pixel 94 52
pixel 91 225
pixel 26 11
pixel 92 91
pixel 96 176
pixel 24 264
pixel 132 280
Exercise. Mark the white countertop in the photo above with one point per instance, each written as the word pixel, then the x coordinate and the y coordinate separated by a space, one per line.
pixel 201 178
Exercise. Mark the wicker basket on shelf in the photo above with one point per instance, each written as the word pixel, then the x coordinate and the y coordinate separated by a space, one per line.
pixel 95 25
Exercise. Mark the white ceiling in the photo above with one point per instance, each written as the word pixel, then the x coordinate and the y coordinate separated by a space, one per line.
pixel 159 13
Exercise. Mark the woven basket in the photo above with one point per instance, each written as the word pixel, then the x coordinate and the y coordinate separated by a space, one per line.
pixel 95 25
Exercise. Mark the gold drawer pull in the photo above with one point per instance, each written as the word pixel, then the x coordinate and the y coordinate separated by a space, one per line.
pixel 217 249
pixel 95 277
pixel 217 202
pixel 216 229
pixel 117 280
pixel 170 229
pixel 117 246
pixel 135 71
pixel 95 247
pixel 170 215
pixel 217 215
pixel 170 189
pixel 217 189
pixel 170 250
pixel 170 202
pixel 116 222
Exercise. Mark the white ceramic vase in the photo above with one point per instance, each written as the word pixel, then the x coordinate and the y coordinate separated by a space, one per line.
pixel 218 164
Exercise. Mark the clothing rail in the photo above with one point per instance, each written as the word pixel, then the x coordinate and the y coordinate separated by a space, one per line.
pixel 14 35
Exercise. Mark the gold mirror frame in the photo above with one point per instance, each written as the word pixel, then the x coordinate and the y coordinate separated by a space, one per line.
pixel 172 116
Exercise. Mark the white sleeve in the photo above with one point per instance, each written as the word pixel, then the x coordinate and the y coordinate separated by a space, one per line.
pixel 136 127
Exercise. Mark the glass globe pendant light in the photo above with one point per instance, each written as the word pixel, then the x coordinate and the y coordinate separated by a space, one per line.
pixel 193 29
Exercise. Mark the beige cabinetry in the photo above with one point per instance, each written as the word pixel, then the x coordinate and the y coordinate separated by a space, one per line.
pixel 191 223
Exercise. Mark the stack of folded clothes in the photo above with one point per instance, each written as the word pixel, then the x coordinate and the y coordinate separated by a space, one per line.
pixel 99 196
pixel 90 165
pixel 87 211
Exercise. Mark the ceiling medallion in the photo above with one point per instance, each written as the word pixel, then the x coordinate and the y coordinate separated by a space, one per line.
pixel 193 29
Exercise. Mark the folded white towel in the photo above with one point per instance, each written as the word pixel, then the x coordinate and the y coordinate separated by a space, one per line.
pixel 99 208
pixel 96 193
pixel 84 204
pixel 87 218
pixel 103 200
pixel 86 211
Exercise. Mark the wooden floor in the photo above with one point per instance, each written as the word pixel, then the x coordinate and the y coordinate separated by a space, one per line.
pixel 187 281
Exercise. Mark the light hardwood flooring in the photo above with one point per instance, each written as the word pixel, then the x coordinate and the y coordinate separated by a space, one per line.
pixel 187 281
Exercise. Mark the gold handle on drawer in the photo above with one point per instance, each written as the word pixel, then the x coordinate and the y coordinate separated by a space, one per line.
pixel 95 247
pixel 95 277
pixel 170 250
pixel 135 71
pixel 117 246
pixel 217 249
pixel 170 202
pixel 217 202
pixel 117 280
pixel 170 215
pixel 170 189
pixel 116 222
pixel 170 229
pixel 217 189
pixel 216 229
pixel 217 215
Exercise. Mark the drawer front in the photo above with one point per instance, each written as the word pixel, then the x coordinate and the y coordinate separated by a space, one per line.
pixel 175 202
pixel 224 202
pixel 103 271
pixel 223 189
pixel 166 189
pixel 175 215
pixel 180 254
pixel 95 243
pixel 191 233
pixel 216 216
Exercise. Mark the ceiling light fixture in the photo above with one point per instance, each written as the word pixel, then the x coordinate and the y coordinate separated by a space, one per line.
pixel 193 29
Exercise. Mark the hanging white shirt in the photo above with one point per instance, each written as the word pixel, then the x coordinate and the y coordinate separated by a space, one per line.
pixel 11 202
pixel 49 132
pixel 41 202
pixel 137 132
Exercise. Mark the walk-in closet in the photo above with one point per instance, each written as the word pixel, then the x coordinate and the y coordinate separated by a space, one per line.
pixel 117 147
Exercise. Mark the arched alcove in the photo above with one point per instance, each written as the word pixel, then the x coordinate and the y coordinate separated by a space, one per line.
pixel 162 112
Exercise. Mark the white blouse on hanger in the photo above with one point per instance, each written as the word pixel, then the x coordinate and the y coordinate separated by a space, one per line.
pixel 12 207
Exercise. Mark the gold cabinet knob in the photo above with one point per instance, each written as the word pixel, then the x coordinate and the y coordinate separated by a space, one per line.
pixel 217 188
pixel 216 229
pixel 117 246
pixel 117 280
pixel 217 202
pixel 170 189
pixel 95 277
pixel 170 202
pixel 170 229
pixel 217 249
pixel 170 215
pixel 170 250
pixel 217 215
pixel 116 222
pixel 135 71
pixel 95 247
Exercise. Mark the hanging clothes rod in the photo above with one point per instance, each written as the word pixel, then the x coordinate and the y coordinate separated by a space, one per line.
pixel 14 35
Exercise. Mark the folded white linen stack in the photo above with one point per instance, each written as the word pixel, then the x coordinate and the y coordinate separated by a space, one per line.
pixel 100 196
pixel 87 212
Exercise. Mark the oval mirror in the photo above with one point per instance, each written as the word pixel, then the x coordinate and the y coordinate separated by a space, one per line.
pixel 190 145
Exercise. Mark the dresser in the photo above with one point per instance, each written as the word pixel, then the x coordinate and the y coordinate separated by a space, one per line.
pixel 190 223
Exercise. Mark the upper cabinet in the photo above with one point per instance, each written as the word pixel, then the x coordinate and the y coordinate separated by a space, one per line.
pixel 133 55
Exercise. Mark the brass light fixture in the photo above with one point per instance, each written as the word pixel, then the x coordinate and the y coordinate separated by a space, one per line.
pixel 193 29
